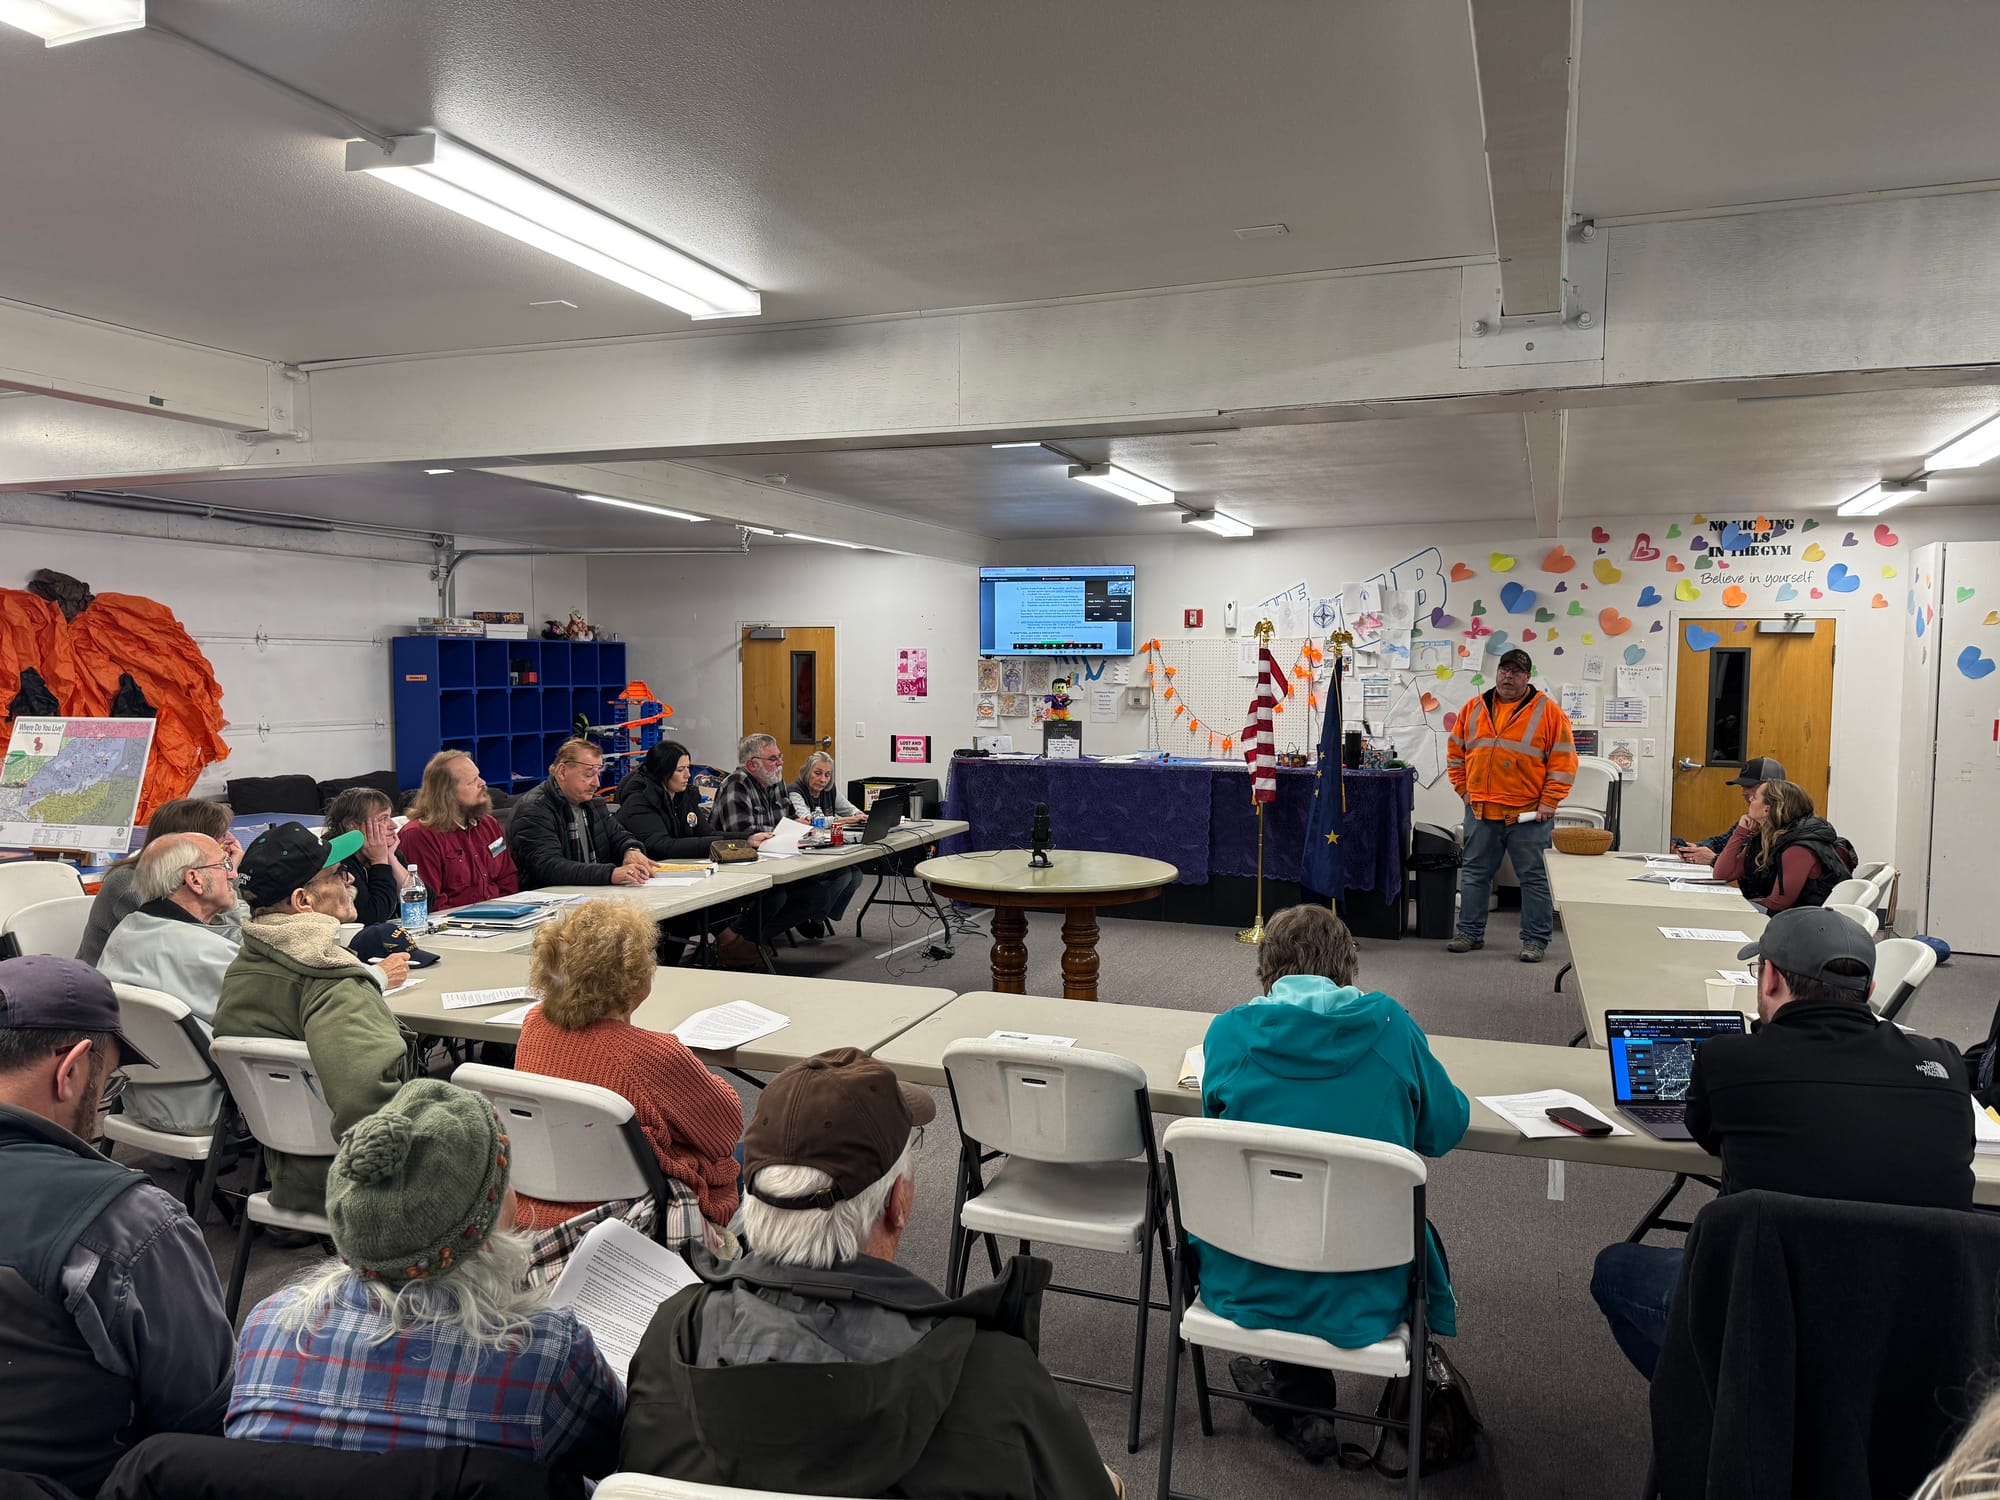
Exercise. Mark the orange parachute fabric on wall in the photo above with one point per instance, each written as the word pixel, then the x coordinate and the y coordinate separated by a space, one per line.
pixel 81 659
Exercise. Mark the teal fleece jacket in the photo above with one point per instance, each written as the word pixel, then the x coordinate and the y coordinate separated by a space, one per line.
pixel 1323 1056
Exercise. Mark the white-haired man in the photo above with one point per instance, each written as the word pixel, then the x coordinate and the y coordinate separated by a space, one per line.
pixel 754 799
pixel 815 1363
pixel 174 944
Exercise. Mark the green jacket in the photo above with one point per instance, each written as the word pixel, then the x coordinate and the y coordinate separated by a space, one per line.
pixel 358 1049
pixel 859 1379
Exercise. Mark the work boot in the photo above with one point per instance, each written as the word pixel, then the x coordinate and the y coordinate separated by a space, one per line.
pixel 1531 953
pixel 1460 943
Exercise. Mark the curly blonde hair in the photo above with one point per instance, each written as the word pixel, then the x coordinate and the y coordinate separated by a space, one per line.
pixel 591 961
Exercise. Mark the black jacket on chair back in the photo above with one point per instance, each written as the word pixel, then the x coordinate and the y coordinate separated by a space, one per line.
pixel 209 1468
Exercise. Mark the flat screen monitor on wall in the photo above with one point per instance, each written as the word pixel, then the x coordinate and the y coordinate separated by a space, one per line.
pixel 1056 611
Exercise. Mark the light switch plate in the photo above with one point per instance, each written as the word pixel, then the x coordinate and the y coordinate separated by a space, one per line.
pixel 1649 748
pixel 860 730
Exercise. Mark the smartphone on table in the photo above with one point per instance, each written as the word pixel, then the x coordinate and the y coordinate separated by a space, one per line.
pixel 1577 1120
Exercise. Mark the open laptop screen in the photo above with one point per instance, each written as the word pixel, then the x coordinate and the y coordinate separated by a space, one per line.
pixel 1652 1052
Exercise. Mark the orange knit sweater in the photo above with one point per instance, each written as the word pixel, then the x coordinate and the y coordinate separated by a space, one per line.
pixel 692 1117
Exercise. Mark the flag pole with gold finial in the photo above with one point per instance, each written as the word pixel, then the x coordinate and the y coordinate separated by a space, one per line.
pixel 1254 933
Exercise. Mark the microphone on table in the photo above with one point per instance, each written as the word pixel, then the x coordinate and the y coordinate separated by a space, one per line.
pixel 1038 839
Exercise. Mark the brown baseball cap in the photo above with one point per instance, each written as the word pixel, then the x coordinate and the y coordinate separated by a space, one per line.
pixel 841 1112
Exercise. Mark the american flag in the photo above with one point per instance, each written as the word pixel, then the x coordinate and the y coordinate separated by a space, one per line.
pixel 1258 748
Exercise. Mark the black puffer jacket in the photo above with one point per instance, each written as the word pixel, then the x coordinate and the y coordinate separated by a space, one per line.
pixel 1814 833
pixel 542 839
pixel 671 826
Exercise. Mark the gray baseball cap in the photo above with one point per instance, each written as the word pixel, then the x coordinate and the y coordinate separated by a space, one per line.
pixel 1758 770
pixel 40 992
pixel 1805 939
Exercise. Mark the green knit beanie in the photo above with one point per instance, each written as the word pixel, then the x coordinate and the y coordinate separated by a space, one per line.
pixel 417 1185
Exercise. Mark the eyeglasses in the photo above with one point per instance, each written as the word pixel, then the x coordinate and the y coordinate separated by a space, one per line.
pixel 114 1090
pixel 220 864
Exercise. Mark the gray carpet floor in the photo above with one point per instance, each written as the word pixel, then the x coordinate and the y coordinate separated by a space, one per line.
pixel 1564 1414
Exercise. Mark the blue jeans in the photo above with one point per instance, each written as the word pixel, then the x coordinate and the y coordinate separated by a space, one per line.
pixel 1486 840
pixel 1634 1285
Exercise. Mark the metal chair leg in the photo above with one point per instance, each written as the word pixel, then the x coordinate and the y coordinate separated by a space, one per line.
pixel 1139 1336
pixel 1201 1390
pixel 244 1232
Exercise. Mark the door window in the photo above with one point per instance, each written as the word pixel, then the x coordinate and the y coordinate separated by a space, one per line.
pixel 805 697
pixel 1728 706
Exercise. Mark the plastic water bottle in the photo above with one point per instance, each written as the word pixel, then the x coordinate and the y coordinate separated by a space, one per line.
pixel 416 905
pixel 819 821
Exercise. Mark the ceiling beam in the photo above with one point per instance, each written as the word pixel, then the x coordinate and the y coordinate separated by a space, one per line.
pixel 1522 48
pixel 1547 436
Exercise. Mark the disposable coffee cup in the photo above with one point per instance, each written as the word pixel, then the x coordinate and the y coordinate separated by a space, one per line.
pixel 1725 994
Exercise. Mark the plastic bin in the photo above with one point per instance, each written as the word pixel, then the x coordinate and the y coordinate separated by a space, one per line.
pixel 1433 873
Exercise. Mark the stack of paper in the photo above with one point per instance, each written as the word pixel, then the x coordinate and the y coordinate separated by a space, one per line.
pixel 470 999
pixel 722 1027
pixel 1985 1130
pixel 1529 1113
pixel 615 1282
pixel 1192 1064
pixel 784 840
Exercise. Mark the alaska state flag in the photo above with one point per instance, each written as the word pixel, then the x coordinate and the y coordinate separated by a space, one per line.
pixel 1322 863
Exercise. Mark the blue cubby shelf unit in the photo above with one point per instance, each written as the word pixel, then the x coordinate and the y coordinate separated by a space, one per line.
pixel 508 703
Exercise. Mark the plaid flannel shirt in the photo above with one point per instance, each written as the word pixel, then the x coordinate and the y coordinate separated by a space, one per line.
pixel 744 807
pixel 426 1388
pixel 686 1230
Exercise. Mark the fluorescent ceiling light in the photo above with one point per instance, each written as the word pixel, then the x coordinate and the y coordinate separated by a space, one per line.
pixel 760 530
pixel 460 179
pixel 1970 451
pixel 824 541
pixel 440 471
pixel 1017 445
pixel 1217 522
pixel 1879 497
pixel 60 21
pixel 651 510
pixel 1122 483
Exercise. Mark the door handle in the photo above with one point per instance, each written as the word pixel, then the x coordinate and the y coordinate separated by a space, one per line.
pixel 1685 764
pixel 826 742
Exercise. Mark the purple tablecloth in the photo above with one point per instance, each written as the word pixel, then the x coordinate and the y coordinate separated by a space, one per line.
pixel 1197 818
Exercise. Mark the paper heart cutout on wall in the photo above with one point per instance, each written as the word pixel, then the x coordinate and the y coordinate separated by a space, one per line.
pixel 1686 592
pixel 1815 552
pixel 1887 571
pixel 1429 701
pixel 1599 535
pixel 1443 674
pixel 1762 523
pixel 1675 565
pixel 1500 562
pixel 1701 520
pixel 1515 599
pixel 1733 597
pixel 1703 563
pixel 1701 638
pixel 1478 679
pixel 1656 627
pixel 1589 639
pixel 1554 633
pixel 1673 531
pixel 1439 619
pixel 1973 664
pixel 1527 635
pixel 1462 651
pixel 1992 617
pixel 1878 602
pixel 1786 593
pixel 1840 580
pixel 1559 651
pixel 1543 616
pixel 1643 549
pixel 1613 623
pixel 1450 721
pixel 1817 594
pixel 1850 540
pixel 1563 587
pixel 1648 597
pixel 1460 572
pixel 1698 544
pixel 1634 655
pixel 1809 525
pixel 1965 593
pixel 1732 538
pixel 1923 624
pixel 1495 639
pixel 1558 560
pixel 1884 537
pixel 1575 606
pixel 1478 609
pixel 1605 571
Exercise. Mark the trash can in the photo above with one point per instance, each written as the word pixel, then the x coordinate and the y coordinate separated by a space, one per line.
pixel 1434 860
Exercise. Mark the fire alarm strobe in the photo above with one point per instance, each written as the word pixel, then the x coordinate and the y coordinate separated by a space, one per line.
pixel 1191 619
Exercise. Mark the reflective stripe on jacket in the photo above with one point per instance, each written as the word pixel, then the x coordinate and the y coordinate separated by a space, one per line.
pixel 1523 756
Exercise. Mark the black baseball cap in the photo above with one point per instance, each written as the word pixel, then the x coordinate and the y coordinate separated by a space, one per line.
pixel 380 939
pixel 288 856
pixel 1805 939
pixel 1514 656
pixel 1757 771
pixel 40 992
pixel 841 1112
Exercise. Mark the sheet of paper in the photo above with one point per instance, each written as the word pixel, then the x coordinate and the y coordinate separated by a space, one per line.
pixel 1705 934
pixel 1738 976
pixel 1690 887
pixel 1246 657
pixel 1529 1113
pixel 1288 611
pixel 784 839
pixel 1579 701
pixel 1985 1131
pixel 1040 673
pixel 721 1027
pixel 614 1282
pixel 1625 711
pixel 1427 656
pixel 1593 667
pixel 406 986
pixel 1624 754
pixel 1649 681
pixel 1393 648
pixel 1193 1064
pixel 1121 674
pixel 989 674
pixel 677 880
pixel 1037 1038
pixel 512 1017
pixel 986 709
pixel 468 999
pixel 1104 705
pixel 1679 874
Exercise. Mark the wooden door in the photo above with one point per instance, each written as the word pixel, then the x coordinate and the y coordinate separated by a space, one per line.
pixel 1741 692
pixel 788 692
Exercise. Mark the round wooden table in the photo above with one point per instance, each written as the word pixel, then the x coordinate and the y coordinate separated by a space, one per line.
pixel 1077 882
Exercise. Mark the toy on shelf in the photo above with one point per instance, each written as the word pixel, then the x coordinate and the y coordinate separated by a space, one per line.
pixel 1058 698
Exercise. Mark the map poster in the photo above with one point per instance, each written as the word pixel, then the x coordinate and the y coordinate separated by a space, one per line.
pixel 73 783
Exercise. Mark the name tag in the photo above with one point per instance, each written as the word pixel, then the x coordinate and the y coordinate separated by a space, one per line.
pixel 690 820
pixel 497 845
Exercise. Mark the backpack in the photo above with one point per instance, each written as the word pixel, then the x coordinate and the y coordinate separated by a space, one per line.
pixel 1979 1064
pixel 1847 855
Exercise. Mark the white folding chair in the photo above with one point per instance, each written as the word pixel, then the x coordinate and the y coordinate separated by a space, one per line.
pixel 1882 886
pixel 1588 804
pixel 24 882
pixel 279 1096
pixel 569 1142
pixel 1867 919
pixel 1868 869
pixel 1297 1200
pixel 653 1487
pixel 1849 893
pixel 54 926
pixel 167 1031
pixel 1070 1123
pixel 1901 967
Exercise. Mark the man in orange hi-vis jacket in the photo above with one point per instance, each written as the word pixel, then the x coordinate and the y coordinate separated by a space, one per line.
pixel 1513 760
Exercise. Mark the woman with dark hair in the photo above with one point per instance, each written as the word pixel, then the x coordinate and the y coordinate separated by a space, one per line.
pixel 1316 1051
pixel 1780 854
pixel 117 900
pixel 658 805
pixel 379 877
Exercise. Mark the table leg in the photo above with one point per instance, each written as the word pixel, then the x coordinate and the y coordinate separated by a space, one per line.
pixel 1010 950
pixel 1079 960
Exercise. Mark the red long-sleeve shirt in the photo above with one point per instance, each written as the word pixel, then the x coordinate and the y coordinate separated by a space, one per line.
pixel 462 867
pixel 692 1117
pixel 1796 865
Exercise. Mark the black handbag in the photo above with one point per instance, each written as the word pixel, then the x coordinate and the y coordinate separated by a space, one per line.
pixel 1451 1421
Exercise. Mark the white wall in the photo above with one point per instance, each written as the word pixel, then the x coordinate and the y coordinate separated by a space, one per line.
pixel 682 618
pixel 325 700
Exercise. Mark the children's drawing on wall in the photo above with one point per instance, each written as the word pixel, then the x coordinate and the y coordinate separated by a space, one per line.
pixel 1011 676
pixel 989 674
pixel 913 673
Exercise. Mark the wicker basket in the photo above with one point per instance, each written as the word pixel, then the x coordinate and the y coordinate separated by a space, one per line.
pixel 1573 840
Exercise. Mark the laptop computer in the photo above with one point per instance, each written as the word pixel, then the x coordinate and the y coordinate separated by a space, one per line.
pixel 883 819
pixel 1652 1059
